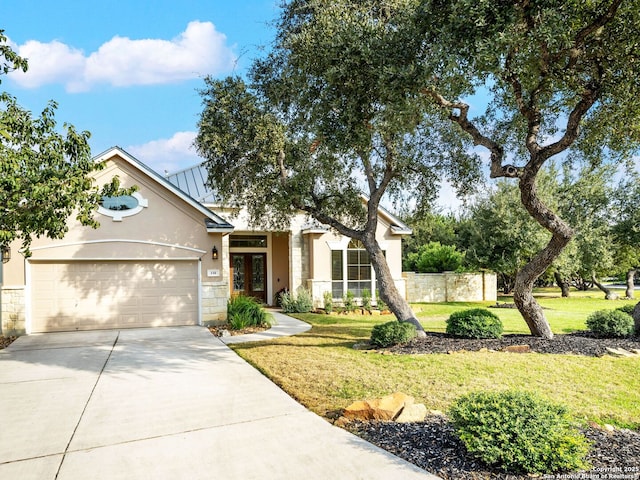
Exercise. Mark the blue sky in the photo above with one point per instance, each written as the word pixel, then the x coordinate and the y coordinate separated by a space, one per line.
pixel 128 71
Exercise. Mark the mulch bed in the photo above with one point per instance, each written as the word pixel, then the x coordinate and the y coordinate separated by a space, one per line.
pixel 579 343
pixel 218 330
pixel 433 446
pixel 6 341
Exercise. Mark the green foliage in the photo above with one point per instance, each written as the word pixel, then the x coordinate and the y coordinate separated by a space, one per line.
pixel 348 301
pixel 243 312
pixel 498 234
pixel 628 309
pixel 519 432
pixel 45 175
pixel 610 323
pixel 428 227
pixel 9 59
pixel 300 303
pixel 366 299
pixel 379 302
pixel 328 302
pixel 474 323
pixel 434 258
pixel 392 333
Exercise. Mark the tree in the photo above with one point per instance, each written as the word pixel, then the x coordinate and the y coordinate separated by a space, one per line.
pixel 626 230
pixel 332 115
pixel 434 258
pixel 44 175
pixel 428 227
pixel 496 233
pixel 561 77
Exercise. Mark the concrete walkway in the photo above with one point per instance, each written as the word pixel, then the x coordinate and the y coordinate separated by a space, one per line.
pixel 164 403
pixel 285 326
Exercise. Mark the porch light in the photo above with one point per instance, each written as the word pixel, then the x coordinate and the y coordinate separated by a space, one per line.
pixel 214 253
pixel 6 254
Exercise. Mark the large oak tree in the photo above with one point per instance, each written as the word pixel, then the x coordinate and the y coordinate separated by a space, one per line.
pixel 561 78
pixel 330 117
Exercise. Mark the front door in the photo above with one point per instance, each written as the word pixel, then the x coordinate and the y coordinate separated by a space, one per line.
pixel 249 274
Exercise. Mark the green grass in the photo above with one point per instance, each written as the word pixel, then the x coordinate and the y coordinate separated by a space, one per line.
pixel 322 370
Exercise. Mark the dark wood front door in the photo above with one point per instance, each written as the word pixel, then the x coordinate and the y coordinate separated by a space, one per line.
pixel 249 275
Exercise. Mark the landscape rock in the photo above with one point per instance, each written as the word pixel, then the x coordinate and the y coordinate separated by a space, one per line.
pixel 517 349
pixel 385 408
pixel 619 352
pixel 414 412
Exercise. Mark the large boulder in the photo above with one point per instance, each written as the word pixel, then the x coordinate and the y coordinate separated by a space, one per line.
pixel 385 408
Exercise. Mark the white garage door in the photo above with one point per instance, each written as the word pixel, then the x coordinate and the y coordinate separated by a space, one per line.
pixel 77 295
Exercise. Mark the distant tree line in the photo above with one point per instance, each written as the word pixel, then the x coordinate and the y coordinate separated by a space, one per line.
pixel 493 231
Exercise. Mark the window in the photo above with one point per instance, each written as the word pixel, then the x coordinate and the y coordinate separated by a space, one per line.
pixel 351 270
pixel 119 204
pixel 248 241
pixel 122 206
pixel 358 268
pixel 337 274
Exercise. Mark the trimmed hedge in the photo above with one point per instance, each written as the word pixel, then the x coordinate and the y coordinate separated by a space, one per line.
pixel 474 323
pixel 392 333
pixel 519 432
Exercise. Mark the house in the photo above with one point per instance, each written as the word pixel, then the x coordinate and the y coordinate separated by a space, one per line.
pixel 168 255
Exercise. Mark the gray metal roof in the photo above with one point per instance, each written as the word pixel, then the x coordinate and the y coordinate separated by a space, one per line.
pixel 192 181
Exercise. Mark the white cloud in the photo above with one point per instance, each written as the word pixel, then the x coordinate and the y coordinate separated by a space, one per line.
pixel 122 62
pixel 167 154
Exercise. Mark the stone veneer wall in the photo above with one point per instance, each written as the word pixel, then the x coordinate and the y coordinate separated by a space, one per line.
pixel 214 302
pixel 12 311
pixel 451 287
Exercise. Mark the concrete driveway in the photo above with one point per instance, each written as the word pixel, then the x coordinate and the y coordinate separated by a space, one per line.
pixel 164 403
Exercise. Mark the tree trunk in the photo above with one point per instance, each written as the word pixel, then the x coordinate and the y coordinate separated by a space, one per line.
pixel 387 287
pixel 636 319
pixel 529 308
pixel 563 284
pixel 630 285
pixel 608 294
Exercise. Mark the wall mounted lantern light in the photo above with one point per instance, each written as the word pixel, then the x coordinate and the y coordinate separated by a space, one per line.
pixel 6 254
pixel 214 253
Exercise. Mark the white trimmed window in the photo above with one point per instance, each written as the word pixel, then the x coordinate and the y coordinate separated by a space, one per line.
pixel 351 270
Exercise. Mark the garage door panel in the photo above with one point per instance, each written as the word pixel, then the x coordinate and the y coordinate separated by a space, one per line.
pixel 91 295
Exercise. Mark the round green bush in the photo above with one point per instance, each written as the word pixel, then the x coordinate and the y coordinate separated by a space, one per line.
pixel 519 432
pixel 392 333
pixel 474 323
pixel 627 308
pixel 610 323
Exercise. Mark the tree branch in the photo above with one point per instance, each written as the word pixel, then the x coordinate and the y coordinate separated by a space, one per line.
pixel 496 150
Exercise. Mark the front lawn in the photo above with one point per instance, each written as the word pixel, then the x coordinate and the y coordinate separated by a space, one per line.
pixel 321 369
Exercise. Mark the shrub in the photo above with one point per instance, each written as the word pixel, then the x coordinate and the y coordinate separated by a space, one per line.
pixel 243 312
pixel 610 323
pixel 434 258
pixel 328 302
pixel 627 308
pixel 300 303
pixel 348 301
pixel 518 432
pixel 366 299
pixel 474 323
pixel 379 302
pixel 392 333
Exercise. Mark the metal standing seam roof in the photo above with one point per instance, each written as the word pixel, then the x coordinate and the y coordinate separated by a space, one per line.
pixel 193 182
